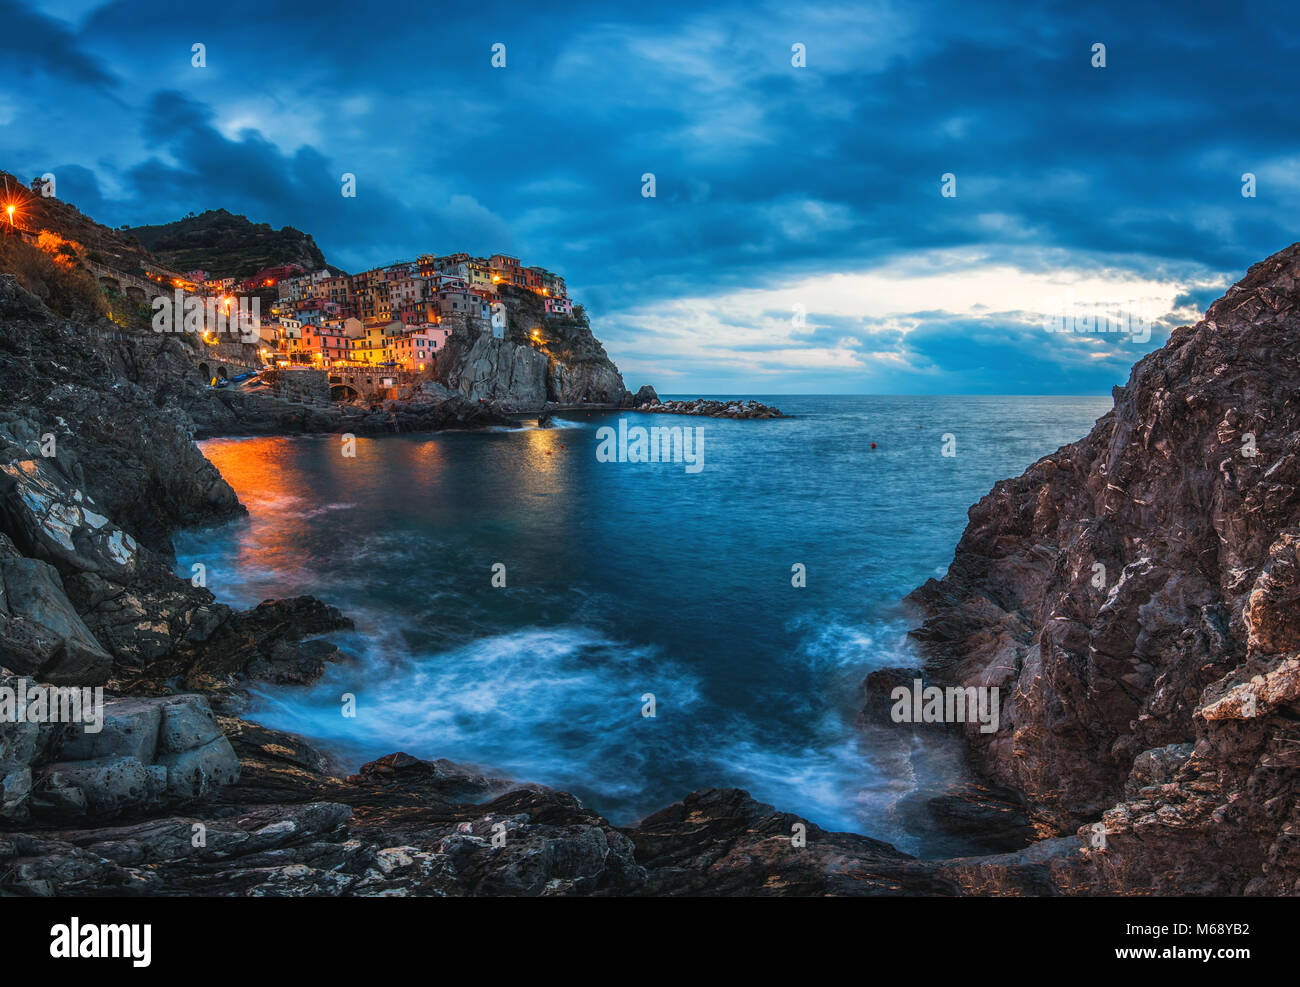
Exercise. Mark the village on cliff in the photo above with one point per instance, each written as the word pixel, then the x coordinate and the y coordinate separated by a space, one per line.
pixel 394 318
pixel 387 325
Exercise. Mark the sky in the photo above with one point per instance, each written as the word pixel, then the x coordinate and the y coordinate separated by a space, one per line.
pixel 799 238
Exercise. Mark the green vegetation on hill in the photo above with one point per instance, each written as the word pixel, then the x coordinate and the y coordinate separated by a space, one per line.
pixel 227 245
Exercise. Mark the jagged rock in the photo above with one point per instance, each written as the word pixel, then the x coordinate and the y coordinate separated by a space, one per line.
pixel 488 369
pixel 723 842
pixel 40 632
pixel 1161 707
pixel 991 819
pixel 539 359
pixel 265 642
pixel 49 521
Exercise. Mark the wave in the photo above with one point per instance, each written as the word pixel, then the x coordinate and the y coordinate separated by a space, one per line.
pixel 559 705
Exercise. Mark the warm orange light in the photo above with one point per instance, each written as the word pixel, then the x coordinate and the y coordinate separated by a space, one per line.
pixel 10 210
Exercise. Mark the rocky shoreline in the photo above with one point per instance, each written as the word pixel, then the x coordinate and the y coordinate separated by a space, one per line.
pixel 1136 596
pixel 648 401
pixel 1126 709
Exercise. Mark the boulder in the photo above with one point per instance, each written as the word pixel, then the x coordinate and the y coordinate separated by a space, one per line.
pixel 645 395
pixel 41 633
pixel 149 754
pixel 104 786
pixel 191 774
pixel 130 729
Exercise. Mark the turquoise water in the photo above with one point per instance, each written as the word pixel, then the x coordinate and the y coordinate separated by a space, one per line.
pixel 623 579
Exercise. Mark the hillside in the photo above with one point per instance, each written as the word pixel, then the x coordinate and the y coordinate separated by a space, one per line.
pixel 227 244
pixel 93 241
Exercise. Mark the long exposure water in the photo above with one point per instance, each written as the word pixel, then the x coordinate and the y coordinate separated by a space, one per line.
pixel 624 579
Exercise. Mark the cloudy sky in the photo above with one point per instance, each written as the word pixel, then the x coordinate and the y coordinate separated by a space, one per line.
pixel 798 239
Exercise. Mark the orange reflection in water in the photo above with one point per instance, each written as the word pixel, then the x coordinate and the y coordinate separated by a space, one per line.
pixel 293 486
pixel 266 476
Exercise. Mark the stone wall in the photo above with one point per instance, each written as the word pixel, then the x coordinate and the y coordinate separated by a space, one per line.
pixel 375 384
pixel 305 385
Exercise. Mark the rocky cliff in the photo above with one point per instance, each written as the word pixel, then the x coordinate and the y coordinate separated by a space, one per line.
pixel 538 359
pixel 1136 597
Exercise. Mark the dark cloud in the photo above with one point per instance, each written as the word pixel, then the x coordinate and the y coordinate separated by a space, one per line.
pixel 30 40
pixel 766 174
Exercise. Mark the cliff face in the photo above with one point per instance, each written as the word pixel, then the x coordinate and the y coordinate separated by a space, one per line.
pixel 1136 596
pixel 538 359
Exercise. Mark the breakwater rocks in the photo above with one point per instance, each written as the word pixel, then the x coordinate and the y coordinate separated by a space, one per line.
pixel 710 409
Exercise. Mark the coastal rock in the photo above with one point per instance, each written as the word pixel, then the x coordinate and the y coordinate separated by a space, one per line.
pixel 40 632
pixel 263 643
pixel 490 369
pixel 403 826
pixel 538 359
pixel 47 520
pixel 723 842
pixel 146 754
pixel 709 409
pixel 645 395
pixel 1155 713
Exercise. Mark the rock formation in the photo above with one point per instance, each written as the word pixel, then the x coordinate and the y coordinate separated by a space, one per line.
pixel 539 359
pixel 1134 596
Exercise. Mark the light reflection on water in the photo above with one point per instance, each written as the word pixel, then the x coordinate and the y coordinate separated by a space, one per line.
pixel 624 579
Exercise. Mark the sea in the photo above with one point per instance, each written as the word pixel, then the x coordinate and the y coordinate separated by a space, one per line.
pixel 529 601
